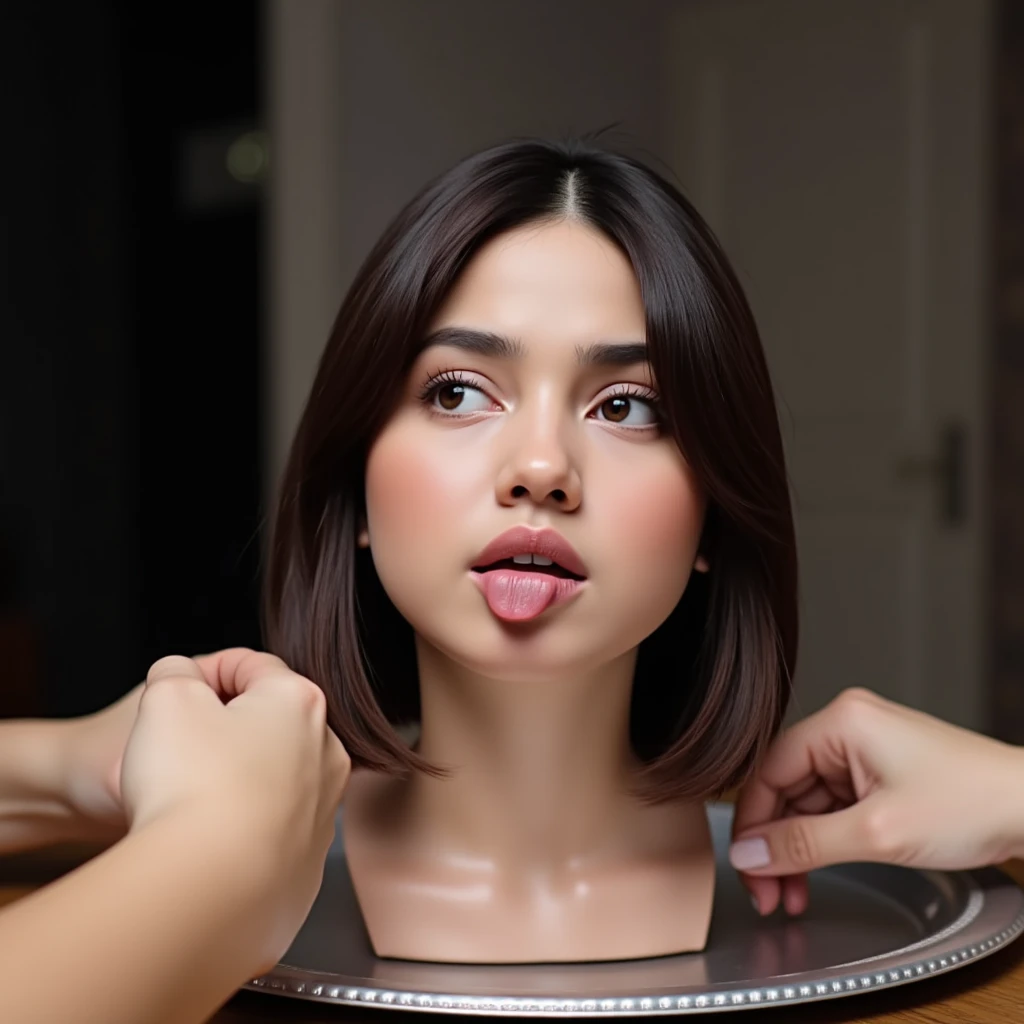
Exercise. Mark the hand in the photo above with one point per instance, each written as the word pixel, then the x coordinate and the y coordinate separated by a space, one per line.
pixel 865 779
pixel 238 746
pixel 91 760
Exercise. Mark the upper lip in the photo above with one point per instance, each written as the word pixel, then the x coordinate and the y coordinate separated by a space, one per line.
pixel 521 540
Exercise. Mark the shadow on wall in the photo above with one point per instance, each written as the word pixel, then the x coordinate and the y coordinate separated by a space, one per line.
pixel 1007 467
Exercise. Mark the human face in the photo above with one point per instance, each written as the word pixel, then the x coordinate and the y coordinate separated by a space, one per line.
pixel 538 431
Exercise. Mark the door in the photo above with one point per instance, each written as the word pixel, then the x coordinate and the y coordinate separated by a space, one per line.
pixel 839 151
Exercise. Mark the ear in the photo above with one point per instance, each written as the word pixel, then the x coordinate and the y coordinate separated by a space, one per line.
pixel 701 565
pixel 363 540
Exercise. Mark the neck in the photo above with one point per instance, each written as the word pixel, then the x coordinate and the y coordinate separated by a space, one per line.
pixel 538 771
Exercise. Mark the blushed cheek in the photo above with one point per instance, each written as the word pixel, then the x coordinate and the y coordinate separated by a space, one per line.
pixel 662 513
pixel 412 490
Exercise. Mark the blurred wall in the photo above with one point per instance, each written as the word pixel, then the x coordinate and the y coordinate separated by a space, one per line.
pixel 367 101
pixel 1007 462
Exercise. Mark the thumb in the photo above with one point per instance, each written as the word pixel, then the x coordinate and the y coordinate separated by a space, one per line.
pixel 793 846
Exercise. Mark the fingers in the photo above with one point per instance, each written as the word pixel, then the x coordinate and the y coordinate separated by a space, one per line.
pixel 808 768
pixel 176 667
pixel 789 817
pixel 794 846
pixel 175 678
pixel 795 894
pixel 810 751
pixel 227 674
pixel 236 670
pixel 765 893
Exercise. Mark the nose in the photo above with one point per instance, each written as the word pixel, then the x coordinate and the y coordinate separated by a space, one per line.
pixel 540 469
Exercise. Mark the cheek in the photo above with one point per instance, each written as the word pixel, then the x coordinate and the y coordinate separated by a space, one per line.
pixel 412 489
pixel 659 512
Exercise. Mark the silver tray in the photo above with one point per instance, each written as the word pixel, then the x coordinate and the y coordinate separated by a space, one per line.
pixel 869 927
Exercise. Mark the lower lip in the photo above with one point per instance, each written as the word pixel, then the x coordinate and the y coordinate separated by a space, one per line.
pixel 518 596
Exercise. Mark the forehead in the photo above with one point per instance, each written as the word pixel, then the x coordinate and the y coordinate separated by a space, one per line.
pixel 553 283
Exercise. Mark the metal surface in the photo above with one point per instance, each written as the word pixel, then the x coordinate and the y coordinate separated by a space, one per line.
pixel 868 927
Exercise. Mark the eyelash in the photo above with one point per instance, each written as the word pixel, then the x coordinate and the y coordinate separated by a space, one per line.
pixel 439 380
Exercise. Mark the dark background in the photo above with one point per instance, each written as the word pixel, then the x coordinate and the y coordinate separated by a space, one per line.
pixel 129 349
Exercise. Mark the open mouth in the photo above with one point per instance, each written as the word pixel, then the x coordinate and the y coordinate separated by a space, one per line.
pixel 535 565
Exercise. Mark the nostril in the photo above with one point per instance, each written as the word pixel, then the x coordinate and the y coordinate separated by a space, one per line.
pixel 518 491
pixel 558 495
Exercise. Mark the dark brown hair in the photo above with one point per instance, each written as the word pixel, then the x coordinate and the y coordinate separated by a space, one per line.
pixel 712 682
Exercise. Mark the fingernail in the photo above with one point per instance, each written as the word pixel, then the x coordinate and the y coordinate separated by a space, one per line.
pixel 754 903
pixel 748 854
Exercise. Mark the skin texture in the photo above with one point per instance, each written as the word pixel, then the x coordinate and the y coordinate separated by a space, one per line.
pixel 866 779
pixel 228 784
pixel 536 825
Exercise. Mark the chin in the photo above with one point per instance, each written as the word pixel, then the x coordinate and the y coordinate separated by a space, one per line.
pixel 527 654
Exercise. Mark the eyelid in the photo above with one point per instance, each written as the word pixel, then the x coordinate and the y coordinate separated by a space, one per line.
pixel 451 375
pixel 455 376
pixel 633 389
pixel 640 392
pixel 436 381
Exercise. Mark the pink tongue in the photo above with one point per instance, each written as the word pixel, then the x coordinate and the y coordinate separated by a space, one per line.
pixel 518 596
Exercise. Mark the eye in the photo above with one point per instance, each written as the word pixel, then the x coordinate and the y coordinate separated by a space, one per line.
pixel 629 408
pixel 452 397
pixel 451 393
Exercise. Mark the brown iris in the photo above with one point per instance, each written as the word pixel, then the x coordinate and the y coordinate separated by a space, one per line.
pixel 450 396
pixel 616 409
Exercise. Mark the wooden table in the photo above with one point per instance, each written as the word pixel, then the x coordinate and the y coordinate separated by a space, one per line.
pixel 990 991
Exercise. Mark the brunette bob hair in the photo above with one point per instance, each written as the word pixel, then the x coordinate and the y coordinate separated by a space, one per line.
pixel 712 682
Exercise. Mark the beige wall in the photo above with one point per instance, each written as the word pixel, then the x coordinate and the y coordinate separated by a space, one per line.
pixel 368 100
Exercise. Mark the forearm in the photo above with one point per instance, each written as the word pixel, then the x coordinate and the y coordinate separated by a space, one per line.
pixel 33 809
pixel 162 927
pixel 1006 796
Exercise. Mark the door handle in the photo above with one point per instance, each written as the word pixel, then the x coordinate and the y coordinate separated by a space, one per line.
pixel 947 470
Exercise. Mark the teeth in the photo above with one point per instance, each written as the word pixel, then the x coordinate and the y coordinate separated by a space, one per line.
pixel 535 559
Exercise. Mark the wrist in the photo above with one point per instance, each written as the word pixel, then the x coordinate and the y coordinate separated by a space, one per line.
pixel 223 848
pixel 1011 797
pixel 34 805
pixel 219 827
pixel 94 814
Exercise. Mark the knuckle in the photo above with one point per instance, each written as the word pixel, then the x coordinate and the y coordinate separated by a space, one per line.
pixel 264 658
pixel 856 696
pixel 305 698
pixel 880 834
pixel 800 847
pixel 168 665
pixel 236 650
pixel 855 705
pixel 166 692
pixel 338 756
pixel 314 697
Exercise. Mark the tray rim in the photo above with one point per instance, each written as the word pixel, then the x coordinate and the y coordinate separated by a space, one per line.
pixel 281 981
pixel 980 929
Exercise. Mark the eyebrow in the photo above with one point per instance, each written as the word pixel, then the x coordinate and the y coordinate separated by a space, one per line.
pixel 487 343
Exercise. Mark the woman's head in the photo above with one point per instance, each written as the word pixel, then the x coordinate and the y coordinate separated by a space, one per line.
pixel 548 336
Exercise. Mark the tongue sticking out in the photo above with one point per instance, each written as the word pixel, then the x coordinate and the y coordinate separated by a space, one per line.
pixel 519 596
